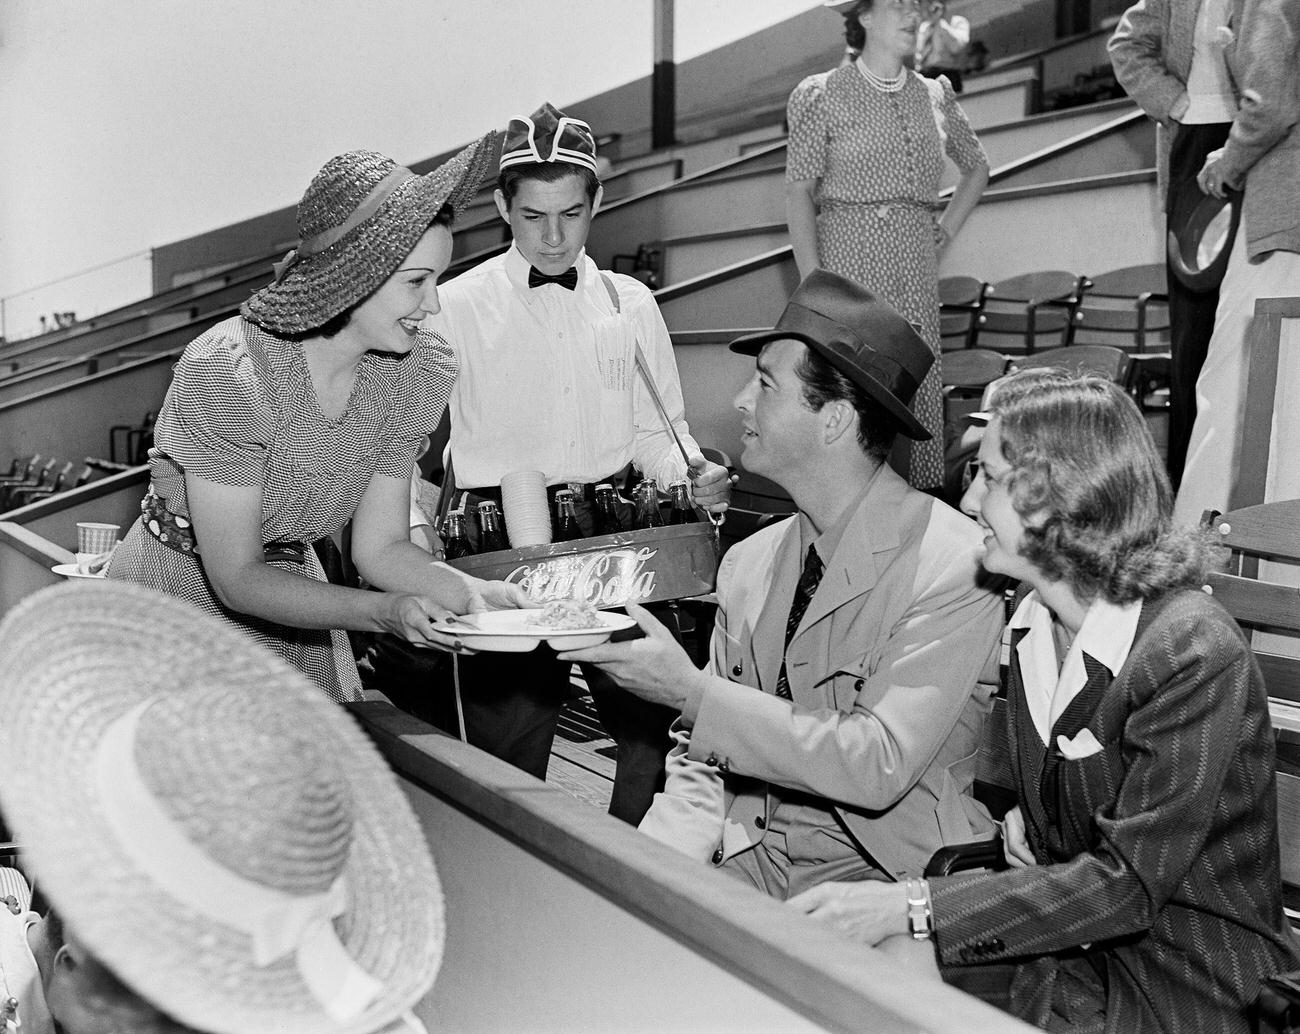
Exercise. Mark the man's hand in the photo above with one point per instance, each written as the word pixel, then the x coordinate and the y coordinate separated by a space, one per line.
pixel 655 668
pixel 1015 845
pixel 485 595
pixel 868 911
pixel 710 484
pixel 1212 179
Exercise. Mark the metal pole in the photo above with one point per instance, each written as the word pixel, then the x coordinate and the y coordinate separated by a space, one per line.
pixel 663 83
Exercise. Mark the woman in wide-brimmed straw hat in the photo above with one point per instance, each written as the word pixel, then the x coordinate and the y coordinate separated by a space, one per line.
pixel 223 849
pixel 283 424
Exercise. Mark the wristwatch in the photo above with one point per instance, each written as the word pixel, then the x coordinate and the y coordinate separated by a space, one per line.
pixel 920 913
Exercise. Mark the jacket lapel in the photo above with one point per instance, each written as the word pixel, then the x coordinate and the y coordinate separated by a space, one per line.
pixel 854 570
pixel 769 626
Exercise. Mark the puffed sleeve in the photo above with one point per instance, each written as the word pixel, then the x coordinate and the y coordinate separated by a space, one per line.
pixel 218 419
pixel 428 374
pixel 805 157
pixel 962 145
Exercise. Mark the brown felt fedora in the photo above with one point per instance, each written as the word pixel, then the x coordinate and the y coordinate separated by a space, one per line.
pixel 862 336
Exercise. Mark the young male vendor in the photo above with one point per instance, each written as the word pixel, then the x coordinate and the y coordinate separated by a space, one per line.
pixel 548 381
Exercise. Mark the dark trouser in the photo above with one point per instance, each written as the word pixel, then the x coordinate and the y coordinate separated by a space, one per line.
pixel 953 74
pixel 1191 313
pixel 511 702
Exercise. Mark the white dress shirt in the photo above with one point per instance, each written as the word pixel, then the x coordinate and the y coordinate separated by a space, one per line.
pixel 1106 636
pixel 1210 95
pixel 548 377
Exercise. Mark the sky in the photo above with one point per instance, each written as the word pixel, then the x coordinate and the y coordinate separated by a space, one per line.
pixel 125 124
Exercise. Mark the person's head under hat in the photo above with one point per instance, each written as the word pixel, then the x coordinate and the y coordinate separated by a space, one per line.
pixel 548 188
pixel 225 848
pixel 374 236
pixel 833 382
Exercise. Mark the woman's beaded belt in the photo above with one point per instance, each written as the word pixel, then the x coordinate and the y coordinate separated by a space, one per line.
pixel 884 209
pixel 176 532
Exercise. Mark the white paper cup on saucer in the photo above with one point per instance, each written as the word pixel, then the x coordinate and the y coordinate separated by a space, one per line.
pixel 527 510
pixel 96 538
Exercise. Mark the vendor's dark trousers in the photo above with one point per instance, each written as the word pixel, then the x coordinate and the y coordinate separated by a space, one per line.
pixel 1191 313
pixel 511 702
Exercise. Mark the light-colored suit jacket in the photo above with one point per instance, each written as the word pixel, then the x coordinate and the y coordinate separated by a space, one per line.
pixel 1151 51
pixel 891 672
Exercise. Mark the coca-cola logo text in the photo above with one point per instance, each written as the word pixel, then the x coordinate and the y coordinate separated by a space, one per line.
pixel 608 578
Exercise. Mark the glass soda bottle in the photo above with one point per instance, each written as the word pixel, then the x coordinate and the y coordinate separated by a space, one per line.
pixel 606 517
pixel 566 517
pixel 682 512
pixel 648 514
pixel 456 543
pixel 491 532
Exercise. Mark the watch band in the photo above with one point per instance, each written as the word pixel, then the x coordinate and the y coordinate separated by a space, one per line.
pixel 920 912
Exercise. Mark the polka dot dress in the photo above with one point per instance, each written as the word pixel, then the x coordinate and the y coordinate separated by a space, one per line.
pixel 879 157
pixel 241 410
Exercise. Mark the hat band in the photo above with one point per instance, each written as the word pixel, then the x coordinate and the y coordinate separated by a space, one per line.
pixel 893 375
pixel 277 923
pixel 530 153
pixel 368 207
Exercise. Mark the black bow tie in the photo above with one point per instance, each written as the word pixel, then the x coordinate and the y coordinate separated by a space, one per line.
pixel 568 279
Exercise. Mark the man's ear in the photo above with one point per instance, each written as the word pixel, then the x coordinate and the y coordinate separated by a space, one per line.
pixel 503 206
pixel 595 201
pixel 839 418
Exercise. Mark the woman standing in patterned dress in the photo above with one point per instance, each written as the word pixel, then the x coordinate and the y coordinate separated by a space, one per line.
pixel 865 156
pixel 303 413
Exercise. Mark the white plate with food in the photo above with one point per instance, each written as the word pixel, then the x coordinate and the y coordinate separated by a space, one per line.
pixel 563 625
pixel 70 571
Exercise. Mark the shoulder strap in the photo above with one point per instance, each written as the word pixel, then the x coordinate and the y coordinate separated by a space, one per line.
pixel 613 292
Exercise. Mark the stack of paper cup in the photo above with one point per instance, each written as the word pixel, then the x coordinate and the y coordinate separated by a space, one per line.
pixel 94 542
pixel 528 513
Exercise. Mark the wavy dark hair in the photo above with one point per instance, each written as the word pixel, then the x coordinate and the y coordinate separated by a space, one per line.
pixel 822 383
pixel 855 36
pixel 1093 493
pixel 547 172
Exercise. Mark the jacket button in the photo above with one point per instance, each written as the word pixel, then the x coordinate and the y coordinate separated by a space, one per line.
pixel 737 670
pixel 858 684
pixel 711 760
pixel 760 822
pixel 717 857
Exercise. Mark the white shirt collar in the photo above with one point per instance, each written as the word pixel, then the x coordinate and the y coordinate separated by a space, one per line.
pixel 517 266
pixel 1106 636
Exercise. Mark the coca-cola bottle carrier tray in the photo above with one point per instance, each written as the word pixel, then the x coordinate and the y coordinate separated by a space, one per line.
pixel 643 566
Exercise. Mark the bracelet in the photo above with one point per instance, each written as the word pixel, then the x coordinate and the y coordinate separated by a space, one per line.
pixel 920 912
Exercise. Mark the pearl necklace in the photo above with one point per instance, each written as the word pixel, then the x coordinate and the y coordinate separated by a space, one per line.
pixel 879 81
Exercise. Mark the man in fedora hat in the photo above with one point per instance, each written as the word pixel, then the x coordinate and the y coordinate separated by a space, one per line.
pixel 854 655
pixel 548 381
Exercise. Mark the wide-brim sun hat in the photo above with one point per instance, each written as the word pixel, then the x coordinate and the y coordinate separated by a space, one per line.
pixel 208 824
pixel 357 222
pixel 862 336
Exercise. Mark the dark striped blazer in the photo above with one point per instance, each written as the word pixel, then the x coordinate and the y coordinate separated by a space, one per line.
pixel 1157 890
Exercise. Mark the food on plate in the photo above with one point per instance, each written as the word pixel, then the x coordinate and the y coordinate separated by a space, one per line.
pixel 563 615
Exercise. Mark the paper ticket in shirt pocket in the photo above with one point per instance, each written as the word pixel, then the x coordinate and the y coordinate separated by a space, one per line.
pixel 615 341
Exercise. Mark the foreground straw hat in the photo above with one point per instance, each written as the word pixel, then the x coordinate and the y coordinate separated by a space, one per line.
pixel 360 217
pixel 214 830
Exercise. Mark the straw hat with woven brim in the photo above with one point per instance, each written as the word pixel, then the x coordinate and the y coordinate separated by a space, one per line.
pixel 252 768
pixel 361 216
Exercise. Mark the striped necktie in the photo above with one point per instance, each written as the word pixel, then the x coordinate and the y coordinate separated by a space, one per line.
pixel 803 594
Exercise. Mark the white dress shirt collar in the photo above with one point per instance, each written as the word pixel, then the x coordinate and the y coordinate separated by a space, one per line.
pixel 1106 636
pixel 517 268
